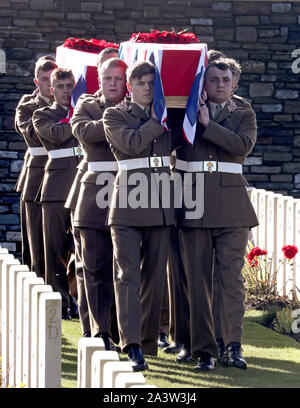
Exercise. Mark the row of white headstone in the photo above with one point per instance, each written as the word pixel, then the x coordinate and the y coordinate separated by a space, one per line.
pixel 30 327
pixel 279 225
pixel 97 368
pixel 30 338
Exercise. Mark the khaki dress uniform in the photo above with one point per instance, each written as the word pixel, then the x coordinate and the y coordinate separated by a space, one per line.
pixel 242 103
pixel 80 294
pixel 26 259
pixel 140 234
pixel 89 218
pixel 59 175
pixel 221 233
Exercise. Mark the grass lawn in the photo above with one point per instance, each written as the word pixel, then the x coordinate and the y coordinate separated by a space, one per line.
pixel 273 362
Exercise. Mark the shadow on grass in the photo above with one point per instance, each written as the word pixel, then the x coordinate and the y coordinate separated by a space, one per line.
pixel 69 360
pixel 261 373
pixel 265 369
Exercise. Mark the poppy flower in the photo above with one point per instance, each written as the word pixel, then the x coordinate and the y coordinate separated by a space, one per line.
pixel 289 251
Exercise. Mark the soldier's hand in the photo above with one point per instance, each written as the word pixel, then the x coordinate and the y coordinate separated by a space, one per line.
pixel 122 105
pixel 153 113
pixel 203 113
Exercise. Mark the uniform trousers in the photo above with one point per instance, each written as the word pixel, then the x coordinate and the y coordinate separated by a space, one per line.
pixel 165 310
pixel 57 243
pixel 204 249
pixel 217 300
pixel 180 315
pixel 82 304
pixel 140 259
pixel 35 237
pixel 26 259
pixel 96 250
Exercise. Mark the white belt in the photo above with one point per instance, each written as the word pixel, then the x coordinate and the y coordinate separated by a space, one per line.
pixel 38 151
pixel 71 151
pixel 103 166
pixel 199 166
pixel 144 162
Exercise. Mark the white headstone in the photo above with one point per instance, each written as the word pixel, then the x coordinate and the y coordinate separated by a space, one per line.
pixel 50 340
pixel 5 270
pixel 261 236
pixel 269 232
pixel 253 196
pixel 296 241
pixel 20 324
pixel 99 359
pixel 13 273
pixel 3 255
pixel 35 331
pixel 86 347
pixel 279 240
pixel 111 369
pixel 29 283
pixel 126 380
pixel 289 240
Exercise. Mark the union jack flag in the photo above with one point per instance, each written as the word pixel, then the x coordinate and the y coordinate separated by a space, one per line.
pixel 159 103
pixel 190 118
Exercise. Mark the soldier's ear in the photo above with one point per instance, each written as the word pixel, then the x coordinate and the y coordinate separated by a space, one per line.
pixel 35 81
pixel 51 90
pixel 128 86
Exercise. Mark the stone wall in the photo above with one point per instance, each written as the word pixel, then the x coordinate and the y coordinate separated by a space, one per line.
pixel 261 35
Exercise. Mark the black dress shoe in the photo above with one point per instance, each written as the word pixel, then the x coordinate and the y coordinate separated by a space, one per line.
pixel 206 362
pixel 66 313
pixel 163 340
pixel 173 348
pixel 86 334
pixel 221 350
pixel 136 357
pixel 185 355
pixel 233 355
pixel 108 343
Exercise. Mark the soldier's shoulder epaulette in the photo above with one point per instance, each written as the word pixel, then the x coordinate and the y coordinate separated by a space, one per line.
pixel 241 102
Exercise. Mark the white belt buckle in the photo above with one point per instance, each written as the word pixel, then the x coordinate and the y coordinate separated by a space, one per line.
pixel 155 161
pixel 210 166
pixel 78 151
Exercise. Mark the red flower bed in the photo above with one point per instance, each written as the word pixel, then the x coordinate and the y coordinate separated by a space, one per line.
pixel 93 45
pixel 164 37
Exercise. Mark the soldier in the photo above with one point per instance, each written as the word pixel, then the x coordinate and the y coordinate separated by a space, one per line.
pixel 225 135
pixel 241 102
pixel 64 156
pixel 140 233
pixel 26 256
pixel 36 162
pixel 89 218
pixel 79 288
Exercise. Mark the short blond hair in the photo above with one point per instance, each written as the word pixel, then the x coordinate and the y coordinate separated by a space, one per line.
pixel 112 63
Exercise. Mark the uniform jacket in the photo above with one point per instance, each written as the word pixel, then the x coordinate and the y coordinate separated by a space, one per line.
pixel 228 139
pixel 87 127
pixel 132 135
pixel 59 173
pixel 35 164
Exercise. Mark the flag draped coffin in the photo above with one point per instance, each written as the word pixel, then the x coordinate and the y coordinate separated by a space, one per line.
pixel 181 70
pixel 84 67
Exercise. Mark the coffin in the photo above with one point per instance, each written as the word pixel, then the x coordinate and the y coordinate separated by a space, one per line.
pixel 80 62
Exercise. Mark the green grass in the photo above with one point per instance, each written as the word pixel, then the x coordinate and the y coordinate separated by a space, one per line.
pixel 273 362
